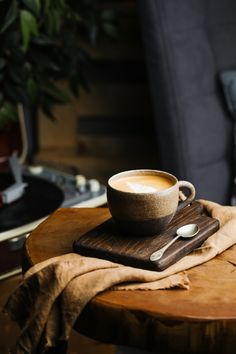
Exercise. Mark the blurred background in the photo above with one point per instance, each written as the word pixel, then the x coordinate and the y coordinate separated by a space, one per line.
pixel 74 97
pixel 87 94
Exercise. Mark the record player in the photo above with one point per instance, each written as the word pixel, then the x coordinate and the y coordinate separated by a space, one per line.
pixel 29 193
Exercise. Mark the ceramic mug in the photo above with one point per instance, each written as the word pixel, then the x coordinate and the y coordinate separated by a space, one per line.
pixel 143 202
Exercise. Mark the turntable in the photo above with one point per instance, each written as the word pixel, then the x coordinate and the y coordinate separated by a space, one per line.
pixel 45 190
pixel 28 194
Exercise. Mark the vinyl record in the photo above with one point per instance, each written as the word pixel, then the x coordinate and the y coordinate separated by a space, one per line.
pixel 40 199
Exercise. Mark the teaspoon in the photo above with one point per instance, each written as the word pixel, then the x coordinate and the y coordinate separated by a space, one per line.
pixel 186 231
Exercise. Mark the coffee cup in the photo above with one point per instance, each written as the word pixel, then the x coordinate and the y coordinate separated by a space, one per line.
pixel 143 202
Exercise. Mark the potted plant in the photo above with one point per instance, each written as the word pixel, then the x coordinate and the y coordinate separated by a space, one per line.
pixel 41 44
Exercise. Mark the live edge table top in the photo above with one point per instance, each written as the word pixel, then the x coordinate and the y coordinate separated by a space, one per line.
pixel 201 319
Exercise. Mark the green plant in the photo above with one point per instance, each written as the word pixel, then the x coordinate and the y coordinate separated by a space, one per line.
pixel 40 45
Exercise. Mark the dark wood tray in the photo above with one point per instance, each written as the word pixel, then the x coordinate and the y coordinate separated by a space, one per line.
pixel 107 242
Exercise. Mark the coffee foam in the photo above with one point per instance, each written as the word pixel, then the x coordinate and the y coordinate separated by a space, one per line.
pixel 142 183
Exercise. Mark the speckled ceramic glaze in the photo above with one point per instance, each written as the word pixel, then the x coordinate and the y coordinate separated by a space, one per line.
pixel 145 213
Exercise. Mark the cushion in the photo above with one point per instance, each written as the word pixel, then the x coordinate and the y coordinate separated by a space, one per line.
pixel 228 82
pixel 187 43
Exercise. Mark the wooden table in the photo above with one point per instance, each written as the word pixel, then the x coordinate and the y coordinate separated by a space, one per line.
pixel 199 320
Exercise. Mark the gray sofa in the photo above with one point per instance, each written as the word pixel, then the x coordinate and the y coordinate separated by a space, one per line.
pixel 187 43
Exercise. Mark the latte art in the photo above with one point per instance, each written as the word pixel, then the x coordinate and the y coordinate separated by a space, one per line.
pixel 142 183
pixel 140 188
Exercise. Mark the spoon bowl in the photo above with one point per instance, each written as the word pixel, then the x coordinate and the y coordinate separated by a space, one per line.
pixel 186 231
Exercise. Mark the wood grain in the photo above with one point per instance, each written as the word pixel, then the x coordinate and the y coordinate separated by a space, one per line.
pixel 199 320
pixel 108 242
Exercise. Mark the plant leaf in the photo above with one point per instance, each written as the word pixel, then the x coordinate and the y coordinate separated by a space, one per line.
pixel 47 107
pixel 74 86
pixel 15 93
pixel 32 90
pixel 108 15
pixel 18 73
pixel 29 26
pixel 33 5
pixel 110 29
pixel 10 16
pixel 54 21
pixel 7 112
pixel 56 94
pixel 44 62
pixel 47 4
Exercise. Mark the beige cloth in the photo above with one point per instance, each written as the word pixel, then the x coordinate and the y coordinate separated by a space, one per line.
pixel 54 292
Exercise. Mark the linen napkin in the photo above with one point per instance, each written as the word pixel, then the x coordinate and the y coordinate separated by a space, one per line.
pixel 53 293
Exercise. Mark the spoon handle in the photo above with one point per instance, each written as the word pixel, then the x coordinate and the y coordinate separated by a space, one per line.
pixel 158 254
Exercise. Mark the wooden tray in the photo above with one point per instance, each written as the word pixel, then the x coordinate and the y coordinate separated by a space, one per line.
pixel 107 242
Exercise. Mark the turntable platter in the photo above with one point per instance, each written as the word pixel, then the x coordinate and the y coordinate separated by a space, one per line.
pixel 40 199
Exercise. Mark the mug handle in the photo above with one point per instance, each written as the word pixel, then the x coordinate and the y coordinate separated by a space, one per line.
pixel 190 186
